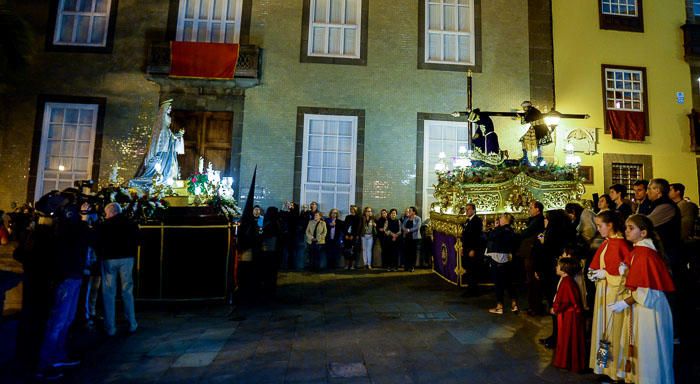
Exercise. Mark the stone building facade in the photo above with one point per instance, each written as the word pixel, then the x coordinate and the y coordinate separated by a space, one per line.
pixel 394 92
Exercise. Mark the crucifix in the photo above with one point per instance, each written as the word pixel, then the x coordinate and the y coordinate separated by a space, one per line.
pixel 541 125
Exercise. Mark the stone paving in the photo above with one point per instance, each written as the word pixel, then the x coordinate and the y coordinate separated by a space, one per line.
pixel 359 327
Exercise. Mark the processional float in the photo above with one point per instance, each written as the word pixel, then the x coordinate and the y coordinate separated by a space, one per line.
pixel 496 185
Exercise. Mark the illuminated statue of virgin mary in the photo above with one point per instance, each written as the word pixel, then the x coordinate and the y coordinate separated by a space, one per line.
pixel 160 163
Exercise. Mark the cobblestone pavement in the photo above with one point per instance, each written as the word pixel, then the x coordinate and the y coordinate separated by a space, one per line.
pixel 361 327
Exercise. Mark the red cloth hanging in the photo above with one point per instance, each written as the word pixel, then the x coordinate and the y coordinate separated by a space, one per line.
pixel 626 125
pixel 203 60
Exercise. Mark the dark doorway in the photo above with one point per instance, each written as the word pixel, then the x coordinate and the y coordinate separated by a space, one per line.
pixel 207 134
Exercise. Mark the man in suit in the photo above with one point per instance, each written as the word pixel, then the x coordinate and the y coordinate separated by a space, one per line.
pixel 472 248
pixel 535 227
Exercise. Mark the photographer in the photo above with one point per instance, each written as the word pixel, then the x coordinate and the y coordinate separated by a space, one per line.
pixel 67 262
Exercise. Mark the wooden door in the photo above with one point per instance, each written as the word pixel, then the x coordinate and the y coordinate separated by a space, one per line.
pixel 207 134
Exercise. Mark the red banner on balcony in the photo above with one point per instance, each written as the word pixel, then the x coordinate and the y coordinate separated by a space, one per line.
pixel 203 60
pixel 626 125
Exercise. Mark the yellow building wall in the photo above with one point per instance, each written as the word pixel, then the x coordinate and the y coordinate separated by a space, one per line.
pixel 581 47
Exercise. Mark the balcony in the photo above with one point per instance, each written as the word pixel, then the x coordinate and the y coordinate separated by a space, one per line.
pixel 247 69
pixel 691 42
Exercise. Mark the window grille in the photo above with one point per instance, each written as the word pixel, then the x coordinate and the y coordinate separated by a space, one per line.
pixel 626 174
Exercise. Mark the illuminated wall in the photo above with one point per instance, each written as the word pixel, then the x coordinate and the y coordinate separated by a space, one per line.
pixel 581 47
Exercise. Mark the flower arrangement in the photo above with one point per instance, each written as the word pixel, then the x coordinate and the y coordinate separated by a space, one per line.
pixel 500 174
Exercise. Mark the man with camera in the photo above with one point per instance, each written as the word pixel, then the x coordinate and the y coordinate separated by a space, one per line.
pixel 66 265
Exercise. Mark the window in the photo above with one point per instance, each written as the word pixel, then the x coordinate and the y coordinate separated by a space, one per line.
pixel 625 169
pixel 626 174
pixel 439 136
pixel 624 89
pixel 619 7
pixel 449 32
pixel 84 23
pixel 621 15
pixel 334 28
pixel 696 7
pixel 334 32
pixel 329 159
pixel 209 21
pixel 67 146
pixel 625 102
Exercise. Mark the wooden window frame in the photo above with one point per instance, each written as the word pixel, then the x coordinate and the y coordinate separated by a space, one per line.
pixel 620 22
pixel 39 131
pixel 51 46
pixel 645 93
pixel 304 56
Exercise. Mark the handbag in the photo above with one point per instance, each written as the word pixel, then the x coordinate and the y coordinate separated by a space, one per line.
pixel 602 356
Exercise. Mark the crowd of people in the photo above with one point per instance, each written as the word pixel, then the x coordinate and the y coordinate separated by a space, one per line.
pixel 613 280
pixel 73 253
pixel 294 239
pixel 617 279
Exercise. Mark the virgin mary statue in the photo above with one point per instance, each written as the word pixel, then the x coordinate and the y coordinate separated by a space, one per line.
pixel 160 163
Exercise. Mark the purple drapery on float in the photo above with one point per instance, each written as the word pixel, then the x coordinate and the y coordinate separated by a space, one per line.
pixel 445 256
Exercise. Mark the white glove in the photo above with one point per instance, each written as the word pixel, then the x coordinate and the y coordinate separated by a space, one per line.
pixel 596 274
pixel 618 306
pixel 623 268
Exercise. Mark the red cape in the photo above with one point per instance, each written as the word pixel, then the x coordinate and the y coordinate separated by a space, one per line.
pixel 619 250
pixel 647 270
pixel 571 349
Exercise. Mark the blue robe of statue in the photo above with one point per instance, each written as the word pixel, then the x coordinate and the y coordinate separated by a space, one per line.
pixel 485 138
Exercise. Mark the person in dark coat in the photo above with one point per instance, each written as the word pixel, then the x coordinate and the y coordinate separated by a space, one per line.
pixel 484 137
pixel 502 242
pixel 334 239
pixel 117 244
pixel 535 227
pixel 351 240
pixel 559 234
pixel 640 197
pixel 393 241
pixel 73 236
pixel 472 248
pixel 270 255
pixel 618 194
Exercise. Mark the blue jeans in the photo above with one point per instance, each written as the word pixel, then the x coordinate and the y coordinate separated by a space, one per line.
pixel 53 349
pixel 110 269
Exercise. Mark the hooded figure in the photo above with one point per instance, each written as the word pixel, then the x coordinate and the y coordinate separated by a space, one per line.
pixel 484 138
